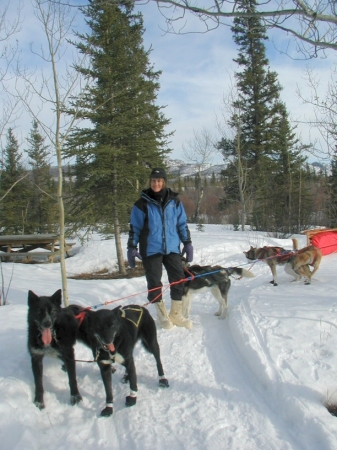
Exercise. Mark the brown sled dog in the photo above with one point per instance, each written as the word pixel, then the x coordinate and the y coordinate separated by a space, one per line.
pixel 273 256
pixel 298 264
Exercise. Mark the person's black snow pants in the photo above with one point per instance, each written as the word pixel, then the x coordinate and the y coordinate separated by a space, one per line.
pixel 153 267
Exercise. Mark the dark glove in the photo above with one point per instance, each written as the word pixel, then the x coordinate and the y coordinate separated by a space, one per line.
pixel 132 254
pixel 188 249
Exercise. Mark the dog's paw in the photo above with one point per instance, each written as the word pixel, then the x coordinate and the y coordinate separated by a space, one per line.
pixel 125 379
pixel 130 401
pixel 40 404
pixel 107 411
pixel 113 369
pixel 74 399
pixel 163 382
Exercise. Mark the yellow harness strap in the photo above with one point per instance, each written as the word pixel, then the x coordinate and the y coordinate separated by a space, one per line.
pixel 135 320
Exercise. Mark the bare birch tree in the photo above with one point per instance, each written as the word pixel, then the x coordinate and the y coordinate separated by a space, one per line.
pixel 199 151
pixel 323 99
pixel 47 95
pixel 8 105
pixel 232 114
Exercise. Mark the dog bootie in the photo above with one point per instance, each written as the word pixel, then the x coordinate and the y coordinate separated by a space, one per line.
pixel 177 317
pixel 163 318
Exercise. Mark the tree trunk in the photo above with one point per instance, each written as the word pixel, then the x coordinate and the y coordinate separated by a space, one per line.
pixel 199 198
pixel 62 228
pixel 118 243
pixel 117 230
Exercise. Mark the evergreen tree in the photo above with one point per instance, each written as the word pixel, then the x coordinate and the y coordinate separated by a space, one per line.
pixel 285 190
pixel 42 214
pixel 259 90
pixel 13 189
pixel 126 135
pixel 264 153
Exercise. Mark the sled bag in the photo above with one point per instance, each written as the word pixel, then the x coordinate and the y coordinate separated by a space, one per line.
pixel 326 242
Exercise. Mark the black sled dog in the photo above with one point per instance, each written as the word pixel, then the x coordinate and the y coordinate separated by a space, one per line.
pixel 215 278
pixel 112 336
pixel 51 332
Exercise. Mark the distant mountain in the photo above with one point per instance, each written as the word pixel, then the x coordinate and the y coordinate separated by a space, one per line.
pixel 176 168
pixel 183 169
pixel 317 166
pixel 54 172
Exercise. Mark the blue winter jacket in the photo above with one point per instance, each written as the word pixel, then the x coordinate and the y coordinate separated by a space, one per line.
pixel 158 227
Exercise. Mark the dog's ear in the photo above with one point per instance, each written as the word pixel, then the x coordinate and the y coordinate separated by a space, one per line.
pixel 57 297
pixel 32 298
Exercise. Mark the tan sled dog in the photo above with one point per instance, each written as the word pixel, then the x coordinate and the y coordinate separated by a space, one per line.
pixel 273 256
pixel 298 264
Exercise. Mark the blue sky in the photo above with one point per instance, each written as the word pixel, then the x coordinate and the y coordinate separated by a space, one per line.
pixel 196 70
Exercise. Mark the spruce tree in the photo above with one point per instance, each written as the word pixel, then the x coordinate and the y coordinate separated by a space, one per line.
pixel 42 214
pixel 126 132
pixel 288 194
pixel 13 189
pixel 264 153
pixel 259 89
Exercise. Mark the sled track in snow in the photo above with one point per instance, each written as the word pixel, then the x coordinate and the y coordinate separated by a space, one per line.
pixel 252 357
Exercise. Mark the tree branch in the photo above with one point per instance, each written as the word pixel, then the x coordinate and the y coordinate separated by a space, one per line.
pixel 312 23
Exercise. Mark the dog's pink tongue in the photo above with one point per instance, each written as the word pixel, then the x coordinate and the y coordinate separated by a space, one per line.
pixel 111 348
pixel 46 336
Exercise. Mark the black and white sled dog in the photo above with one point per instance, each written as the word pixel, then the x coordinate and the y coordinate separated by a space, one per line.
pixel 51 332
pixel 215 278
pixel 112 336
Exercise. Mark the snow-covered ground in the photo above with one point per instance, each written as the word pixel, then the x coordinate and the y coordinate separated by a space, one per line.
pixel 256 380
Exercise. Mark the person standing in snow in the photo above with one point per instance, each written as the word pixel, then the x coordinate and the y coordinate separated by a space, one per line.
pixel 158 224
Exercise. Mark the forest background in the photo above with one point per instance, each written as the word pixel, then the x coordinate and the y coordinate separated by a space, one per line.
pixel 101 113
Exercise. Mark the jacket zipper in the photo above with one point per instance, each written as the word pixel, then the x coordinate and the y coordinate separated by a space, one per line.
pixel 162 215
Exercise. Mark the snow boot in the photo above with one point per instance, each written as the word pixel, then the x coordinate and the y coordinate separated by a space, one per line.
pixel 176 315
pixel 163 318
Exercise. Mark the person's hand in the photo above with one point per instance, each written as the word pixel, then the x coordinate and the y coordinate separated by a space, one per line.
pixel 188 249
pixel 132 254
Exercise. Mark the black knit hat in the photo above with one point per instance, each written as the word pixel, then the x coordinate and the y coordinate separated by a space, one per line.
pixel 158 172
